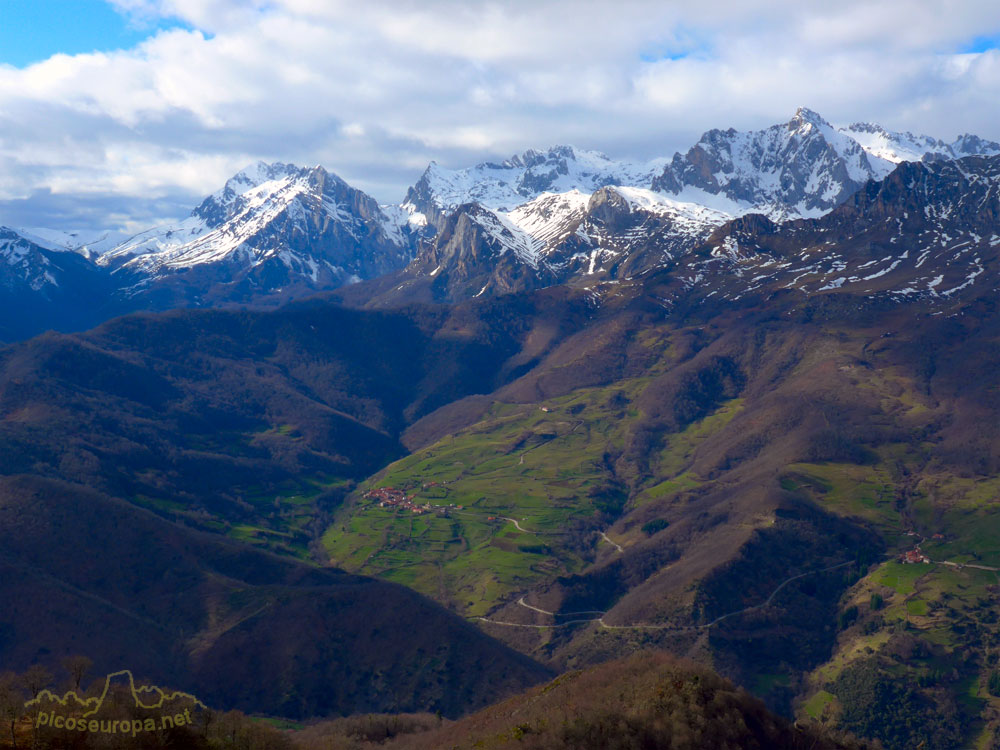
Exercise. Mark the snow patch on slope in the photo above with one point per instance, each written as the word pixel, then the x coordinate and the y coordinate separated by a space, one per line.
pixel 88 243
pixel 891 148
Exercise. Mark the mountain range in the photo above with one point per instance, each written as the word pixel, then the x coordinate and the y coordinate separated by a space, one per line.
pixel 277 232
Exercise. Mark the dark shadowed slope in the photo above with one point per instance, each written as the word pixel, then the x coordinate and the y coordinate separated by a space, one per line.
pixel 83 573
pixel 253 423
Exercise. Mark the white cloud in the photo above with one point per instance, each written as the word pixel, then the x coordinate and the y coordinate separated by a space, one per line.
pixel 374 90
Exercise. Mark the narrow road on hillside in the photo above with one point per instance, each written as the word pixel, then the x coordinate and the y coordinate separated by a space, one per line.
pixel 966 565
pixel 613 544
pixel 560 614
pixel 762 605
pixel 516 524
pixel 483 517
pixel 656 626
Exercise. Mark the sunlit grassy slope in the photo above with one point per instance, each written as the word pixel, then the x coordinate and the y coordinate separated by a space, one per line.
pixel 541 465
pixel 545 465
pixel 927 628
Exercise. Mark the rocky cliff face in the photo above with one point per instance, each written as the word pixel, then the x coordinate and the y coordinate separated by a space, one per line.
pixel 929 229
pixel 800 168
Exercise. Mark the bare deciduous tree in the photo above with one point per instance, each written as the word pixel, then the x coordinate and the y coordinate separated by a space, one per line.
pixel 36 679
pixel 11 703
pixel 78 667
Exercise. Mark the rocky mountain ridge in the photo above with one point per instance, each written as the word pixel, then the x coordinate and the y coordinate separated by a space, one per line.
pixel 584 218
pixel 930 229
pixel 279 232
pixel 273 230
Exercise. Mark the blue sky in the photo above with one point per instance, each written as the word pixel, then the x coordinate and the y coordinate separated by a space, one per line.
pixel 194 90
pixel 982 44
pixel 33 30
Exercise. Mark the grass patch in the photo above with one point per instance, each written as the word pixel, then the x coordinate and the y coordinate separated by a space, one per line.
pixel 667 488
pixel 901 577
pixel 817 704
pixel 159 504
pixel 866 492
pixel 680 448
pixel 765 683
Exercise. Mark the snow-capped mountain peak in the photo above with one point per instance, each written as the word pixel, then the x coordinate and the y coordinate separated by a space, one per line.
pixel 802 168
pixel 256 179
pixel 273 231
pixel 88 243
pixel 24 258
pixel 806 118
pixel 564 210
pixel 972 145
pixel 799 168
pixel 249 202
pixel 272 228
pixel 502 186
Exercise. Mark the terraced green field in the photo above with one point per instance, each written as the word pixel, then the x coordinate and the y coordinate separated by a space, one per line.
pixel 545 465
pixel 542 465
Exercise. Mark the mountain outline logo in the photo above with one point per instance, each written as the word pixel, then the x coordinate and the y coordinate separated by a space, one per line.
pixel 94 704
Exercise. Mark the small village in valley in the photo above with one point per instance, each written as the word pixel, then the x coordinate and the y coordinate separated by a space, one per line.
pixel 391 497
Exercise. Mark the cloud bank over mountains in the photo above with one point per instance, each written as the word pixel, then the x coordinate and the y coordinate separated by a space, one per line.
pixel 375 90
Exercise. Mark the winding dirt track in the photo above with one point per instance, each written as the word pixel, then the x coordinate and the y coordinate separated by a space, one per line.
pixel 653 626
pixel 689 628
